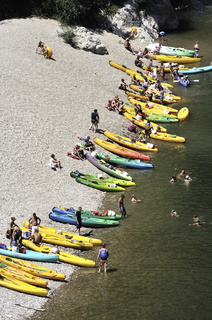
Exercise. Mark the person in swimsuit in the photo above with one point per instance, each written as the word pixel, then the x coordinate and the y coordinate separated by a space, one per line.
pixel 103 255
pixel 135 200
pixel 10 228
pixel 78 220
pixel 121 206
pixel 34 221
pixel 36 236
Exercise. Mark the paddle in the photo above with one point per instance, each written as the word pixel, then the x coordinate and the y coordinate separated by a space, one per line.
pixel 17 304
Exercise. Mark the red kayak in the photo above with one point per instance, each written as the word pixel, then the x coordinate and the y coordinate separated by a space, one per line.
pixel 122 151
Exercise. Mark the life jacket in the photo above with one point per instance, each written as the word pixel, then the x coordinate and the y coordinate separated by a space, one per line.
pixel 103 253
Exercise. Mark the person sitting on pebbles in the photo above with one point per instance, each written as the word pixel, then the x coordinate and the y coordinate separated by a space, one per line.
pixel 54 163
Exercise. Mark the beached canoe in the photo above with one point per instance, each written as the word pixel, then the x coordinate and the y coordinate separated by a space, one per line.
pixel 131 115
pixel 21 275
pixel 15 284
pixel 168 96
pixel 183 114
pixel 70 235
pixel 166 69
pixel 100 178
pixel 175 59
pixel 102 186
pixel 166 137
pixel 29 255
pixel 122 151
pixel 154 107
pixel 118 66
pixel 172 51
pixel 86 222
pixel 136 164
pixel 151 117
pixel 112 171
pixel 141 78
pixel 131 143
pixel 108 214
pixel 155 98
pixel 56 239
pixel 62 255
pixel 32 268
pixel 196 70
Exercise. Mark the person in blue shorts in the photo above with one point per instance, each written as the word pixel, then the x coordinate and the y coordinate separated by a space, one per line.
pixel 103 255
pixel 121 206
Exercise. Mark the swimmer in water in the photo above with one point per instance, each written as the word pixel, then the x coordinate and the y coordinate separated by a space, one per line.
pixel 135 200
pixel 174 214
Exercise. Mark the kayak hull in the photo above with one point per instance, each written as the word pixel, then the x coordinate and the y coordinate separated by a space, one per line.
pixel 32 268
pixel 128 142
pixel 137 164
pixel 86 222
pixel 122 151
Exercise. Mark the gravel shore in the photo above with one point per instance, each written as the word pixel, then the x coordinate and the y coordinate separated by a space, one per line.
pixel 45 105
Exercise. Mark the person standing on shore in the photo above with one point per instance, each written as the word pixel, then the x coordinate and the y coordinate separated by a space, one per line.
pixel 121 205
pixel 10 228
pixel 103 255
pixel 94 120
pixel 34 222
pixel 78 220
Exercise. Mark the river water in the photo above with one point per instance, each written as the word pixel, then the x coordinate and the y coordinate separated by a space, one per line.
pixel 159 266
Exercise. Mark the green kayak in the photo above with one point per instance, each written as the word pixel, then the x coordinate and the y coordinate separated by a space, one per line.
pixel 101 179
pixel 157 117
pixel 108 214
pixel 99 185
pixel 131 163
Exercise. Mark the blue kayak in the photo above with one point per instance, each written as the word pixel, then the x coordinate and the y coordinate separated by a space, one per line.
pixel 29 255
pixel 86 221
pixel 184 82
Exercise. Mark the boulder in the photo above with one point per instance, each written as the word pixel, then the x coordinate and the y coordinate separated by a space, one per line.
pixel 87 40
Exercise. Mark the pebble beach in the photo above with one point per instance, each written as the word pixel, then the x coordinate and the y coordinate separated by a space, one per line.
pixel 45 105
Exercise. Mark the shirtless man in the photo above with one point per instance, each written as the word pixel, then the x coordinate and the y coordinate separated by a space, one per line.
pixel 10 228
pixel 121 206
pixel 34 221
pixel 36 236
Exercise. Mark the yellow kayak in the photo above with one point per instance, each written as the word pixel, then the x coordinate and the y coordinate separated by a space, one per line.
pixel 21 275
pixel 166 137
pixel 118 66
pixel 154 99
pixel 174 59
pixel 128 142
pixel 139 77
pixel 130 115
pixel 168 96
pixel 66 234
pixel 166 69
pixel 63 256
pixel 60 240
pixel 14 284
pixel 151 107
pixel 183 114
pixel 32 268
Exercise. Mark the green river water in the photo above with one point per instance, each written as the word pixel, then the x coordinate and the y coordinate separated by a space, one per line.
pixel 159 266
